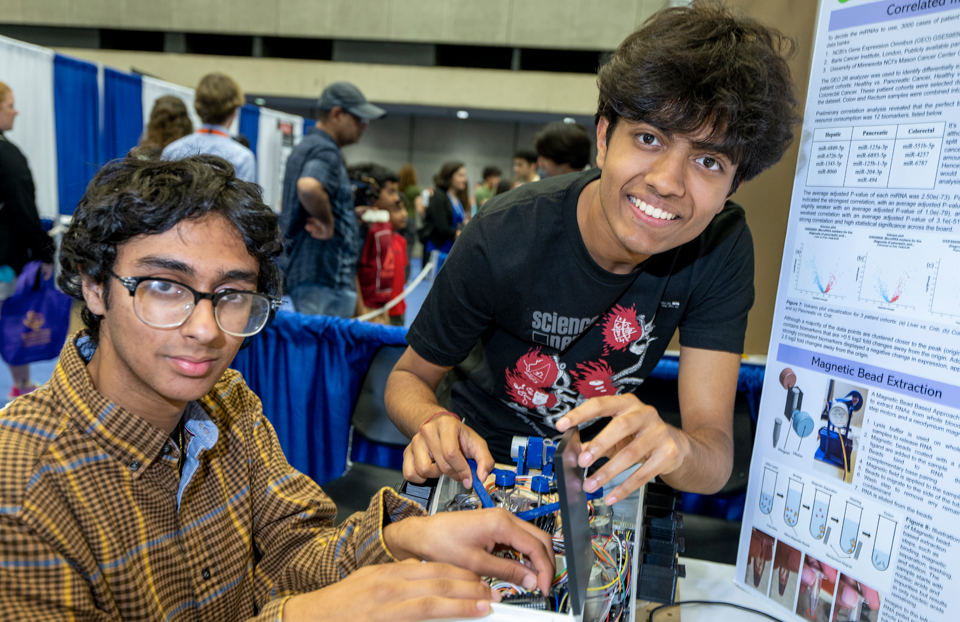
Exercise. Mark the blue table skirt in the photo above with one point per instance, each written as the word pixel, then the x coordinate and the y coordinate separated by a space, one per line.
pixel 308 369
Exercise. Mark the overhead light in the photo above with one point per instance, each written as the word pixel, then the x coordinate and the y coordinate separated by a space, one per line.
pixel 260 101
pixel 463 114
pixel 569 120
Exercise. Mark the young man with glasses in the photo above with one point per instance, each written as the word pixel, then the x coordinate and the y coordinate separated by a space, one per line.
pixel 144 482
pixel 320 228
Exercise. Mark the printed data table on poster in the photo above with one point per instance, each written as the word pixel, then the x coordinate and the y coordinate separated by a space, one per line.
pixel 853 507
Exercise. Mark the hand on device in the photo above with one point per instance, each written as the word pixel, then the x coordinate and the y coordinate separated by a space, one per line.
pixel 401 592
pixel 441 447
pixel 469 539
pixel 635 434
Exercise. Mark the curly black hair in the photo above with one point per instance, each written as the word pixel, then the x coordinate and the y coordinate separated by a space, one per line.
pixel 142 195
pixel 690 68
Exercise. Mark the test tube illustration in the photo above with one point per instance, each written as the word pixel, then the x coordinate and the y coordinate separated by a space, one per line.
pixel 818 520
pixel 850 532
pixel 791 510
pixel 883 543
pixel 767 490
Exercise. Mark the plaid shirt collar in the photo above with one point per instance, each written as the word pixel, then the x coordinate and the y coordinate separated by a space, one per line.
pixel 125 436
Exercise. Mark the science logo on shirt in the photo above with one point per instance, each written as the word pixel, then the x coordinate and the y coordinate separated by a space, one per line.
pixel 550 385
pixel 557 331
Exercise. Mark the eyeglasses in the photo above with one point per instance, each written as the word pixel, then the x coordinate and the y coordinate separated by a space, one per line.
pixel 162 303
pixel 360 120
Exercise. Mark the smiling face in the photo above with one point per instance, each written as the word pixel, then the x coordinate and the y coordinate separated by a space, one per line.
pixel 7 112
pixel 656 192
pixel 154 372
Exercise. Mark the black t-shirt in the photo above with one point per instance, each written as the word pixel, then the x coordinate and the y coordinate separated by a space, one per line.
pixel 557 329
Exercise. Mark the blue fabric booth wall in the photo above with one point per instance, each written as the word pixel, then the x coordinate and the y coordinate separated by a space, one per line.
pixel 250 124
pixel 122 114
pixel 307 371
pixel 77 118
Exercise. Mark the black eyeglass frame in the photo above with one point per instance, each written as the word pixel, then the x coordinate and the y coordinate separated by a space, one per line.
pixel 131 283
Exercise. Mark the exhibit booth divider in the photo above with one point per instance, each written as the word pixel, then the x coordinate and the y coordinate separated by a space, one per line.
pixel 75 116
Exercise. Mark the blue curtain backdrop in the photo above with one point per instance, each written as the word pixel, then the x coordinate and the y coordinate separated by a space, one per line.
pixel 250 124
pixel 307 371
pixel 76 102
pixel 122 113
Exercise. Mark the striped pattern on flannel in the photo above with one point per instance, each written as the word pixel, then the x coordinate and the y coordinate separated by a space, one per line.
pixel 89 528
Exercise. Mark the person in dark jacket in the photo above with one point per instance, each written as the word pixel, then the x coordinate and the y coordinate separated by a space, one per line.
pixel 445 213
pixel 22 237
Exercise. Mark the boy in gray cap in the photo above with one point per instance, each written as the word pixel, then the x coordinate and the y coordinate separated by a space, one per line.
pixel 321 231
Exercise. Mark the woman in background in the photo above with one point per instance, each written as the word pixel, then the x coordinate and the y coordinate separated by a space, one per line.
pixel 169 121
pixel 22 237
pixel 445 213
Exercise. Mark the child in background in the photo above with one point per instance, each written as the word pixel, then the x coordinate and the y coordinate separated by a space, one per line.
pixel 381 273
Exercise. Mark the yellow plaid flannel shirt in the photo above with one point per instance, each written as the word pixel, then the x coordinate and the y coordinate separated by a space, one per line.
pixel 89 525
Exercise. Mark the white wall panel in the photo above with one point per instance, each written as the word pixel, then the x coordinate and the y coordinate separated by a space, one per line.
pixel 28 70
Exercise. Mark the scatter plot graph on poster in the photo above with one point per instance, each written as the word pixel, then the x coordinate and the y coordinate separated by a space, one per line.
pixel 946 288
pixel 894 279
pixel 824 268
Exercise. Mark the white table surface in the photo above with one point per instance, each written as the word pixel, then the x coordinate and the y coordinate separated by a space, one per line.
pixel 712 581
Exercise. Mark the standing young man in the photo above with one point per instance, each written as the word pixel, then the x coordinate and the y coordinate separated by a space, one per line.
pixel 524 167
pixel 574 286
pixel 486 190
pixel 217 99
pixel 144 482
pixel 319 225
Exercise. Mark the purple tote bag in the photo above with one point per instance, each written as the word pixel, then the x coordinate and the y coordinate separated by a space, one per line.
pixel 34 321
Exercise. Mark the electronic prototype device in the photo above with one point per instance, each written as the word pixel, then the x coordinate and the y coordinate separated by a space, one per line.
pixel 836 446
pixel 608 558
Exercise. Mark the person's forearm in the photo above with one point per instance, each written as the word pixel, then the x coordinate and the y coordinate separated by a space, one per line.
pixel 707 466
pixel 409 401
pixel 317 203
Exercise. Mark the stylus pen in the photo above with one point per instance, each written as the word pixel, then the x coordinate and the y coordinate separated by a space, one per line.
pixel 478 487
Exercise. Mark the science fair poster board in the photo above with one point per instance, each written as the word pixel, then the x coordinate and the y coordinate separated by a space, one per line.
pixel 853 507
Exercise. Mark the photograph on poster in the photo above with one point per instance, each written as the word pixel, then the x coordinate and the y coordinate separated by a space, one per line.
pixel 786 566
pixel 759 566
pixel 817 585
pixel 841 422
pixel 856 602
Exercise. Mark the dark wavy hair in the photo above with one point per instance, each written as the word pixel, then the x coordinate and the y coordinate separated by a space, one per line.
pixel 142 195
pixel 702 67
pixel 168 122
pixel 368 179
pixel 564 143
